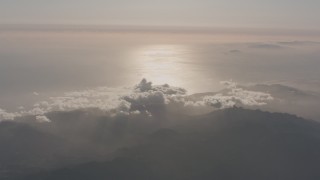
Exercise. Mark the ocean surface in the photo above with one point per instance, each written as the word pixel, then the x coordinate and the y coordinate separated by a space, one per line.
pixel 35 66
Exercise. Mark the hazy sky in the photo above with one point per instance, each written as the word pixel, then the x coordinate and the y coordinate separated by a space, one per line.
pixel 241 13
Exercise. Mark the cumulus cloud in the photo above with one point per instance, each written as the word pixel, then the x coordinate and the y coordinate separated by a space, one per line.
pixel 4 115
pixel 145 86
pixel 104 98
pixel 143 98
pixel 238 96
pixel 146 95
pixel 229 84
pixel 232 96
pixel 152 98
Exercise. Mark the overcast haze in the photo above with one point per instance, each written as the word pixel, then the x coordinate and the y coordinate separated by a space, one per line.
pixel 217 13
pixel 170 89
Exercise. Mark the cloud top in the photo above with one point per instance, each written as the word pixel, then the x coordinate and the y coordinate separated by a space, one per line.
pixel 233 96
pixel 143 98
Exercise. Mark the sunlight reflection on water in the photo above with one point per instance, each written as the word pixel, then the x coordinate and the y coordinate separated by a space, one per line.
pixel 171 64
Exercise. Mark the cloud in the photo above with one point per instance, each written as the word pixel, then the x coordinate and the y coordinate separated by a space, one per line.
pixel 250 98
pixel 4 115
pixel 145 86
pixel 144 98
pixel 36 94
pixel 229 84
pixel 152 98
pixel 103 98
pixel 232 96
pixel 42 119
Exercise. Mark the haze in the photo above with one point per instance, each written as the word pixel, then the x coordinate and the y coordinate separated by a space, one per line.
pixel 217 13
pixel 179 89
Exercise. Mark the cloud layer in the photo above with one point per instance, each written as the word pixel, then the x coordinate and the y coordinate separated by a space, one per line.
pixel 233 96
pixel 143 98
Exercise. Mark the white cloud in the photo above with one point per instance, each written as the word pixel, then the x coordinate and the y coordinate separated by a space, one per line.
pixel 145 86
pixel 42 119
pixel 4 115
pixel 102 97
pixel 143 98
pixel 147 96
pixel 233 96
pixel 229 84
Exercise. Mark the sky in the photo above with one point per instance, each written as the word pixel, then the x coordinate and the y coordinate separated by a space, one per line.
pixel 290 14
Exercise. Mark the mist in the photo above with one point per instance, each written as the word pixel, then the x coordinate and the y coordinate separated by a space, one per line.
pixel 152 103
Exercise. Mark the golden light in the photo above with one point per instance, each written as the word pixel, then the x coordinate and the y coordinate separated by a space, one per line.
pixel 162 63
pixel 175 65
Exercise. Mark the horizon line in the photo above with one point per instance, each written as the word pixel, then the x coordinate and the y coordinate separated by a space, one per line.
pixel 154 28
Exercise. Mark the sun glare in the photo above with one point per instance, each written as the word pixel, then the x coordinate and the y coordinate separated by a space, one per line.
pixel 162 62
